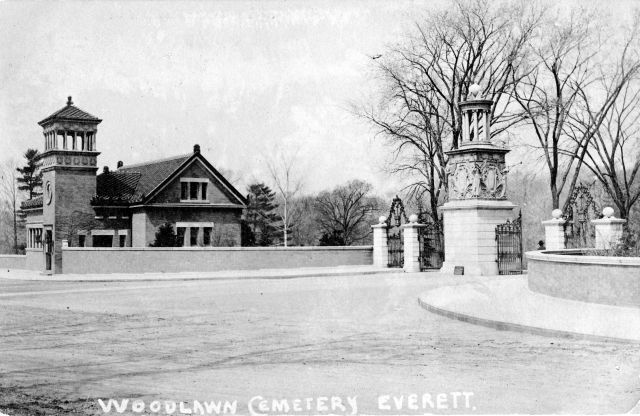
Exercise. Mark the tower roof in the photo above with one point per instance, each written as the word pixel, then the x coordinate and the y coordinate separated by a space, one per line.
pixel 71 113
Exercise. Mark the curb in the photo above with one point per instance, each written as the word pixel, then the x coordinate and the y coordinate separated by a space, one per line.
pixel 207 278
pixel 509 326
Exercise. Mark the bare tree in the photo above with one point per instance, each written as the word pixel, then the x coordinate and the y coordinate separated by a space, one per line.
pixel 346 211
pixel 232 176
pixel 9 194
pixel 426 78
pixel 561 97
pixel 613 154
pixel 73 223
pixel 303 213
pixel 282 168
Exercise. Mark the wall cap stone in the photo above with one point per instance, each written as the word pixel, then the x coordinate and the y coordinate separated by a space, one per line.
pixel 170 249
pixel 478 204
pixel 611 220
pixel 553 256
pixel 553 221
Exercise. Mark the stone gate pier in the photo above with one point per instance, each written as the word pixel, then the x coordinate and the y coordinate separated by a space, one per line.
pixel 477 195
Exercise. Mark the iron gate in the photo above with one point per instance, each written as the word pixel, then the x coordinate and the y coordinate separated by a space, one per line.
pixel 509 246
pixel 395 240
pixel 431 240
pixel 579 232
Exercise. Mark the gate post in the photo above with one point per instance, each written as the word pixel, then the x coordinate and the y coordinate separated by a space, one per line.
pixel 380 246
pixel 608 229
pixel 412 245
pixel 554 231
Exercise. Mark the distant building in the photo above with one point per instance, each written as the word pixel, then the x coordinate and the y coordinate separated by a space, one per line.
pixel 124 207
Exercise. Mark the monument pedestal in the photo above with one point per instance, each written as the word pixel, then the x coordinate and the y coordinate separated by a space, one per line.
pixel 470 234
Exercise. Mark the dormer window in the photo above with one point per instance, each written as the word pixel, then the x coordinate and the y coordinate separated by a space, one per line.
pixel 193 189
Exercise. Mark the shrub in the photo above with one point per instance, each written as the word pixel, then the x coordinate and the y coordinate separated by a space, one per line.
pixel 165 236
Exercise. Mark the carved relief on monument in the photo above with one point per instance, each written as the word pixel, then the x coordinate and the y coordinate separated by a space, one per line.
pixel 69 160
pixel 471 179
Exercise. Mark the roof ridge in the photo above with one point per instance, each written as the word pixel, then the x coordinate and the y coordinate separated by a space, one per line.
pixel 151 162
pixel 71 112
pixel 119 172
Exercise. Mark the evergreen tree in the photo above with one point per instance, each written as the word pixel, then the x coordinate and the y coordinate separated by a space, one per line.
pixel 260 215
pixel 247 238
pixel 333 239
pixel 165 236
pixel 31 179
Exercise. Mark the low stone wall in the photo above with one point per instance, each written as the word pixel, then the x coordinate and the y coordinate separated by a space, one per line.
pixel 599 279
pixel 207 259
pixel 35 259
pixel 13 261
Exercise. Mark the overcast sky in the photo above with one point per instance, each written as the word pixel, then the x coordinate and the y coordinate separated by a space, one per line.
pixel 239 78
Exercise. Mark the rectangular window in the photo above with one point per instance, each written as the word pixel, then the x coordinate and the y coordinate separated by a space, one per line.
pixel 193 237
pixel 184 190
pixel 103 241
pixel 180 236
pixel 123 240
pixel 81 241
pixel 193 194
pixel 193 189
pixel 206 236
pixel 34 238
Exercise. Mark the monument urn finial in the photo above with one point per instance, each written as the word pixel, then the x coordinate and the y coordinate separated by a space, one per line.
pixel 476 167
pixel 474 90
pixel 69 100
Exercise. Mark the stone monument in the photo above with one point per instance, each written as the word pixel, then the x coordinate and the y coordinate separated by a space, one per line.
pixel 477 195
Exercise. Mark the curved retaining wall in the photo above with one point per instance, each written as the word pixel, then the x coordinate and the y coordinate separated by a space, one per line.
pixel 597 279
pixel 87 260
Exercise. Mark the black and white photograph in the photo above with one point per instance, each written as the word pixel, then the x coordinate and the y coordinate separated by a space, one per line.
pixel 319 208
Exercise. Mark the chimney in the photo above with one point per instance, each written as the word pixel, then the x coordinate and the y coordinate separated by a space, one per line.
pixel 120 164
pixel 105 169
pixel 196 148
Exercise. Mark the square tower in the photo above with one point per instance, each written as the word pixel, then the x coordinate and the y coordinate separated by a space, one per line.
pixel 68 165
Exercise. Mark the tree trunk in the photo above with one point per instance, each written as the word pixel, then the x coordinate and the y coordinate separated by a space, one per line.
pixel 15 228
pixel 555 198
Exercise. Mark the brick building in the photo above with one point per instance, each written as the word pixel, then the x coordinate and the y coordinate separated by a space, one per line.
pixel 124 207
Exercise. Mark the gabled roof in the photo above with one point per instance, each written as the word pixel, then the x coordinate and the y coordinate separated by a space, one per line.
pixel 117 188
pixel 136 184
pixel 153 173
pixel 131 184
pixel 71 113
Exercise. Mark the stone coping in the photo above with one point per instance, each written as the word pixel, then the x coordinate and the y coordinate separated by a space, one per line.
pixel 465 204
pixel 245 274
pixel 610 220
pixel 573 256
pixel 12 256
pixel 304 248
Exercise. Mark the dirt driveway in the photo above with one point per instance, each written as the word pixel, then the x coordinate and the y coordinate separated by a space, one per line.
pixel 64 345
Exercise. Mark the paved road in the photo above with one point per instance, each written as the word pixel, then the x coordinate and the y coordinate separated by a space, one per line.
pixel 63 345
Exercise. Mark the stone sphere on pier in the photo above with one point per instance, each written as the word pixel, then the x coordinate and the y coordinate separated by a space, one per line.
pixel 607 212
